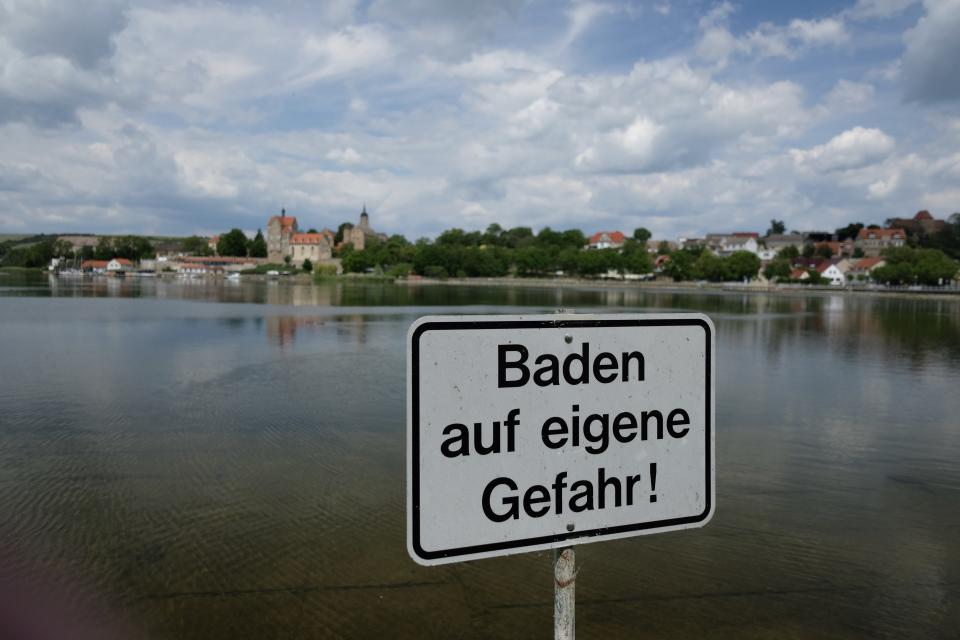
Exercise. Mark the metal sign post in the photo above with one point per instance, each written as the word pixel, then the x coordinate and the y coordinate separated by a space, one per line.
pixel 564 594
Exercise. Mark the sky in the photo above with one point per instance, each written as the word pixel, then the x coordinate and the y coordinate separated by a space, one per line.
pixel 685 117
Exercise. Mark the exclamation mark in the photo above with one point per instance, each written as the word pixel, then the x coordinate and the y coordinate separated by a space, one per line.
pixel 653 481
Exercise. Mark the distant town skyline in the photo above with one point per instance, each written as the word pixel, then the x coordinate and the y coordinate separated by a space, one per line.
pixel 683 117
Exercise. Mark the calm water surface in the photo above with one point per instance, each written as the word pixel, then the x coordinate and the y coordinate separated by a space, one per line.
pixel 200 460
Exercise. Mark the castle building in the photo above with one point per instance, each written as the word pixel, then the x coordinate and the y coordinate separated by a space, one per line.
pixel 359 235
pixel 279 231
pixel 285 240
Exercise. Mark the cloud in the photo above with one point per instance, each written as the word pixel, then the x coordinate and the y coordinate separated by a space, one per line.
pixel 81 33
pixel 200 116
pixel 928 68
pixel 868 9
pixel 851 149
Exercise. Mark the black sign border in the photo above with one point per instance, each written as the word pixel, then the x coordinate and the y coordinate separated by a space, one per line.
pixel 546 324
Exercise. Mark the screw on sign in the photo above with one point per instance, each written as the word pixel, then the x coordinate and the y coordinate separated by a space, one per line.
pixel 538 432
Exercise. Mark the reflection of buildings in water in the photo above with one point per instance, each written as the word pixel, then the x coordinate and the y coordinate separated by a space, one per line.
pixel 352 328
pixel 283 329
pixel 302 295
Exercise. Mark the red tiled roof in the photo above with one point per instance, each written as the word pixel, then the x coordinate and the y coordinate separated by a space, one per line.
pixel 309 238
pixel 286 222
pixel 123 261
pixel 94 264
pixel 745 234
pixel 866 264
pixel 881 233
pixel 616 237
pixel 923 215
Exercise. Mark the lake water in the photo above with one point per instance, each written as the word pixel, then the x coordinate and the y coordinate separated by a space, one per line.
pixel 226 460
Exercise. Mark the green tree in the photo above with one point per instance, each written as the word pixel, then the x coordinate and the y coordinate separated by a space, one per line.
pixel 710 267
pixel 258 246
pixel 233 243
pixel 663 249
pixel 307 265
pixel 789 252
pixel 777 227
pixel 681 265
pixel 635 257
pixel 849 231
pixel 196 245
pixel 743 265
pixel 778 269
pixel 808 250
pixel 824 251
pixel 641 234
pixel 858 253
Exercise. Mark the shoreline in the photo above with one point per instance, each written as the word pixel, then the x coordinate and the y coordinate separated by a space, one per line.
pixel 683 287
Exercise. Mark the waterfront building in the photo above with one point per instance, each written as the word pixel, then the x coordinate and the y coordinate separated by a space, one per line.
pixel 606 240
pixel 315 247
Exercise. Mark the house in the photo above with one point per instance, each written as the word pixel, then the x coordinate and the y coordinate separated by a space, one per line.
pixel 863 268
pixel 691 243
pixel 724 244
pixel 653 246
pixel 873 241
pixel 94 266
pixel 119 264
pixel 830 271
pixel 799 274
pixel 115 265
pixel 777 242
pixel 606 240
pixel 212 243
pixel 838 249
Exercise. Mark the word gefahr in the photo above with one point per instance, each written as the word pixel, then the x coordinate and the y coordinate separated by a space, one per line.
pixel 502 499
pixel 606 368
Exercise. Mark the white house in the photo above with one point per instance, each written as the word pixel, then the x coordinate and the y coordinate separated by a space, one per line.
pixel 831 272
pixel 119 264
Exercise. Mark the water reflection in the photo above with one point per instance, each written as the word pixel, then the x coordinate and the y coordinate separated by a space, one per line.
pixel 236 470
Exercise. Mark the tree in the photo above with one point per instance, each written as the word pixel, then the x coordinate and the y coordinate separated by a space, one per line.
pixel 307 265
pixel 849 231
pixel 777 227
pixel 858 253
pixel 743 265
pixel 808 250
pixel 710 267
pixel 196 245
pixel 789 252
pixel 680 266
pixel 778 269
pixel 824 251
pixel 233 243
pixel 641 235
pixel 258 246
pixel 663 249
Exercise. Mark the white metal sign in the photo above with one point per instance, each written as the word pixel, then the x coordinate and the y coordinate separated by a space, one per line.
pixel 535 432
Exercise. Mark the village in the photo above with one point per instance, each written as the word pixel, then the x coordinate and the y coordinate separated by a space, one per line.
pixel 848 256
